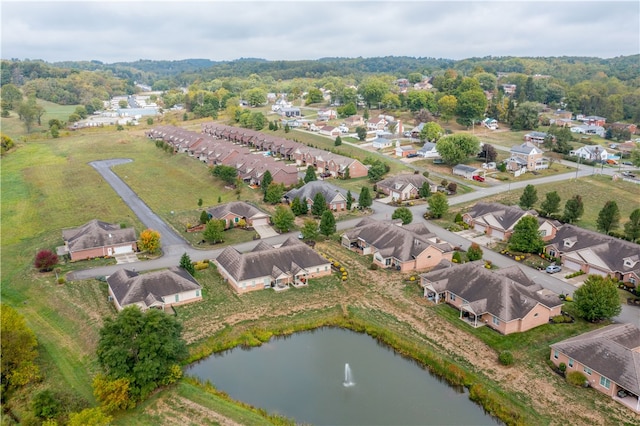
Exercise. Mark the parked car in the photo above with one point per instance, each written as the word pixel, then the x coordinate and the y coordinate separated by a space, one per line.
pixel 627 163
pixel 412 155
pixel 552 269
pixel 612 162
pixel 478 178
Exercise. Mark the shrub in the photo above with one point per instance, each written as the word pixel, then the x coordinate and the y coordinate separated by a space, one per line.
pixel 46 405
pixel 458 218
pixel 576 378
pixel 562 367
pixel 505 358
pixel 456 258
pixel 61 280
pixel 373 266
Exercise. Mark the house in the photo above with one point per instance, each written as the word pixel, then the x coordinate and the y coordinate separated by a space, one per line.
pixel 160 289
pixel 528 156
pixel 235 211
pixel 327 114
pixel 329 131
pixel 506 300
pixel 591 153
pixel 336 201
pixel 587 129
pixel 467 171
pixel 631 128
pixel 293 263
pixel 354 121
pixel 402 247
pixel 594 253
pixel 405 151
pixel 97 239
pixel 537 137
pixel 290 112
pixel 490 123
pixel 509 89
pixel 497 221
pixel 381 143
pixel 563 114
pixel 428 150
pixel 378 123
pixel 609 358
pixel 592 120
pixel 404 186
pixel 415 132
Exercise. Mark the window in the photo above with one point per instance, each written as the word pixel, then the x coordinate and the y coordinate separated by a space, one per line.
pixel 253 283
pixel 326 267
pixel 543 232
pixel 552 253
pixel 604 382
pixel 197 293
pixel 236 219
pixel 587 370
pixel 177 297
pixel 535 315
pixel 570 362
pixel 452 296
pixel 632 280
pixel 496 321
pixel 555 354
pixel 317 269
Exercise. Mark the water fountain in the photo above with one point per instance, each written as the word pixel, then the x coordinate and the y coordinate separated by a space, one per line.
pixel 348 378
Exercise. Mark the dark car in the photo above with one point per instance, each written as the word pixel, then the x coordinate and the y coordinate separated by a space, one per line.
pixel 412 155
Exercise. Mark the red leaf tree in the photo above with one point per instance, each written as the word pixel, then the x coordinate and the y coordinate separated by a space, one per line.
pixel 45 260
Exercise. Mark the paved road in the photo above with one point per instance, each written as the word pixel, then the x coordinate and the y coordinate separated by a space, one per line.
pixel 174 246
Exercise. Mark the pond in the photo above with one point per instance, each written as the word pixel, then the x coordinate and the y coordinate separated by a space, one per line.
pixel 303 377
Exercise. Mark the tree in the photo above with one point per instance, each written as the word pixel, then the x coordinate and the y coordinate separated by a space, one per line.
pixel 309 229
pixel 29 113
pixel 489 153
pixel 90 417
pixel 327 223
pixel 200 202
pixel 144 347
pixel 447 106
pixel 425 190
pixel 403 214
pixel 361 132
pixel 274 193
pixel 474 252
pixel 609 217
pixel 266 181
pixel 310 174
pixel 113 394
pixel 365 200
pixel 573 209
pixel 338 141
pixel 372 90
pixel 214 230
pixel 319 205
pixel 455 149
pixel 597 298
pixel 11 96
pixel 45 260
pixel 186 264
pixel 471 106
pixel 283 218
pixel 377 169
pixel 635 157
pixel 528 198
pixel 299 207
pixel 632 228
pixel 123 104
pixel 525 117
pixel 204 217
pixel 452 187
pixel 349 199
pixel 228 174
pixel 551 204
pixel 19 350
pixel 431 132
pixel 526 237
pixel 314 96
pixel 149 241
pixel 438 205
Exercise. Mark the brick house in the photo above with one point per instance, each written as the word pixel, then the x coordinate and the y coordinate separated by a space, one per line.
pixel 97 239
pixel 336 201
pixel 505 300
pixel 235 211
pixel 404 186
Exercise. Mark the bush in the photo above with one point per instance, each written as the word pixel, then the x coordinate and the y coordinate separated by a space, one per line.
pixel 505 358
pixel 562 367
pixel 61 280
pixel 576 378
pixel 373 266
pixel 46 405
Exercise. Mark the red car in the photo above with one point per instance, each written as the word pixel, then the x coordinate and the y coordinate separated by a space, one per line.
pixel 478 178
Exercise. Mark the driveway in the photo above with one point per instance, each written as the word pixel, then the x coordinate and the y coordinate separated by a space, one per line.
pixel 265 231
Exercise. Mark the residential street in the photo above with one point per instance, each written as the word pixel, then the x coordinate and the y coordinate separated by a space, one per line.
pixel 173 245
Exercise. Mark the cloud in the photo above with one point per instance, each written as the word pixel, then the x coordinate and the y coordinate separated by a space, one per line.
pixel 224 30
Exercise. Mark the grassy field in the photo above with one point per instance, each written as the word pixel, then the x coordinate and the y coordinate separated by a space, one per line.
pixel 595 192
pixel 47 185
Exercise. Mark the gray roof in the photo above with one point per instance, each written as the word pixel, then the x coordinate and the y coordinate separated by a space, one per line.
pixel 612 251
pixel 97 234
pixel 290 258
pixel 400 181
pixel 428 146
pixel 465 168
pixel 507 293
pixel 498 215
pixel 612 351
pixel 310 189
pixel 128 287
pixel 391 240
pixel 524 148
pixel 239 208
pixel 537 134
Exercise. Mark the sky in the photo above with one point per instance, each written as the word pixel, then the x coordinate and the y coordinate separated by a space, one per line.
pixel 121 31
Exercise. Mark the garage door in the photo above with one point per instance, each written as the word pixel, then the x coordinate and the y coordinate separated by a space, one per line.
pixel 122 250
pixel 498 234
pixel 263 221
pixel 595 271
pixel 574 266
pixel 478 227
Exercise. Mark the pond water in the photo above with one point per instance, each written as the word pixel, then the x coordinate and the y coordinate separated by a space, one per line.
pixel 303 377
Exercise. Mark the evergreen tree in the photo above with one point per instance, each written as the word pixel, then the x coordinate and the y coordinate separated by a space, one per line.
pixel 609 217
pixel 365 198
pixel 425 190
pixel 349 200
pixel 474 252
pixel 319 205
pixel 573 209
pixel 347 174
pixel 310 174
pixel 274 193
pixel 264 184
pixel 632 228
pixel 296 207
pixel 204 217
pixel 551 204
pixel 528 198
pixel 327 223
pixel 361 132
pixel 526 238
pixel 185 263
pixel 338 141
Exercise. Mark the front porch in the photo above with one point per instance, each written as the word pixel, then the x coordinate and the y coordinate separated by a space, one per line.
pixel 628 399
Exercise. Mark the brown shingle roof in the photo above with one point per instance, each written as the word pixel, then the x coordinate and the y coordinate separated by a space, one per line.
pixel 97 234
